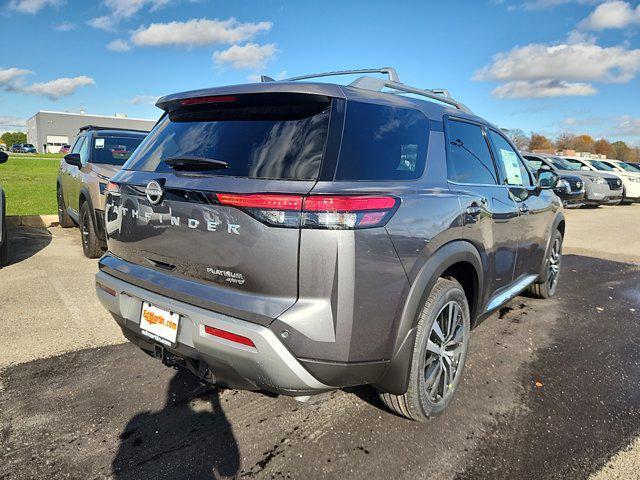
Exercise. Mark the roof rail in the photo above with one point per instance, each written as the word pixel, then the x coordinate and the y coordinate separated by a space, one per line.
pixel 378 84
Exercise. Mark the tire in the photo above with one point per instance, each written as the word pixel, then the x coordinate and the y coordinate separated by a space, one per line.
pixel 4 241
pixel 90 242
pixel 552 263
pixel 427 367
pixel 64 219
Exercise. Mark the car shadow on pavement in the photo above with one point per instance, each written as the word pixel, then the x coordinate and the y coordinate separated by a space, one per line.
pixel 189 438
pixel 25 242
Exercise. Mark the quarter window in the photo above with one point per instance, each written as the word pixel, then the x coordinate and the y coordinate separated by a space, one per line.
pixel 469 159
pixel 514 170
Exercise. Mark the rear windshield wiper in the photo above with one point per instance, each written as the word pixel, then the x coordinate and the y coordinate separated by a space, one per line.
pixel 192 163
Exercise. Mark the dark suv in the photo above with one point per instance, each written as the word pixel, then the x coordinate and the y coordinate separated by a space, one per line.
pixel 97 154
pixel 299 237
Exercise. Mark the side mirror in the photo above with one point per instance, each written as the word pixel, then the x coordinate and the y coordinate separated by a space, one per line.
pixel 73 159
pixel 4 156
pixel 548 180
pixel 584 167
pixel 545 168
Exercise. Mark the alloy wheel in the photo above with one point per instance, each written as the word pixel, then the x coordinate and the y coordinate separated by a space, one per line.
pixel 445 347
pixel 554 263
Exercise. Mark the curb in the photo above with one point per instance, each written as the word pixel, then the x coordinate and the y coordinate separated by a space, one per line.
pixel 32 220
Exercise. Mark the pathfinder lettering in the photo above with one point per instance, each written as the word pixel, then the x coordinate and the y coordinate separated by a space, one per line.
pixel 210 225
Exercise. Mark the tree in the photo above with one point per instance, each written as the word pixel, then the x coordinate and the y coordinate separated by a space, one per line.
pixel 564 141
pixel 603 147
pixel 518 137
pixel 539 142
pixel 584 143
pixel 621 151
pixel 9 138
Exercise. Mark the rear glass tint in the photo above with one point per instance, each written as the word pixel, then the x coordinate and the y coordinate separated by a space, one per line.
pixel 382 143
pixel 274 138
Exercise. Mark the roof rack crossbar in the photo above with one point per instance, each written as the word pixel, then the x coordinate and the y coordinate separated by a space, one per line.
pixel 391 72
pixel 378 84
pixel 437 94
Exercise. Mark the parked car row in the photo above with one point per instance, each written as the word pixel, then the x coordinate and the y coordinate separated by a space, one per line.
pixel 590 182
pixel 22 148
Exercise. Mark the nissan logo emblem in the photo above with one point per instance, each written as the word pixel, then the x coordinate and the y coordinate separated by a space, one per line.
pixel 154 192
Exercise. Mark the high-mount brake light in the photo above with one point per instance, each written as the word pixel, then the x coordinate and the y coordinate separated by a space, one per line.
pixel 339 212
pixel 232 337
pixel 205 100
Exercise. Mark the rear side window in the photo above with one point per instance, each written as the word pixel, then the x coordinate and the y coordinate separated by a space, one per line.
pixel 469 159
pixel 271 138
pixel 382 143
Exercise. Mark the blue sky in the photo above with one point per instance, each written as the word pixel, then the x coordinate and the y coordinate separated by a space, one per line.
pixel 540 65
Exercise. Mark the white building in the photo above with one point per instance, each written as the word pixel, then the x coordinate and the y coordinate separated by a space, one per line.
pixel 48 131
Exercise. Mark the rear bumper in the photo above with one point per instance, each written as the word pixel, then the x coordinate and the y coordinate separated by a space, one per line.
pixel 269 366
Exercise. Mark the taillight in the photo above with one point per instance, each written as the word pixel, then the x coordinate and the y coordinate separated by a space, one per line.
pixel 315 211
pixel 113 188
pixel 232 337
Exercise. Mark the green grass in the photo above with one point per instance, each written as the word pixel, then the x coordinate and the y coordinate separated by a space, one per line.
pixel 29 184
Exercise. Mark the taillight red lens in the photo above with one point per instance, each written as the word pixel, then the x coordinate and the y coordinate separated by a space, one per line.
pixel 318 203
pixel 232 337
pixel 262 201
pixel 113 187
pixel 203 100
pixel 314 211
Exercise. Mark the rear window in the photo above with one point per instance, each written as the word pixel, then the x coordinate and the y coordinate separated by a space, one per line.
pixel 112 150
pixel 270 138
pixel 382 143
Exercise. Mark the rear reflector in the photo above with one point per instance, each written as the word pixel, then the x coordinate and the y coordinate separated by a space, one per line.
pixel 203 100
pixel 110 291
pixel 232 337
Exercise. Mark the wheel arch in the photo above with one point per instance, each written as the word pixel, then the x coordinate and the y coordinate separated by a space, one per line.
pixel 458 259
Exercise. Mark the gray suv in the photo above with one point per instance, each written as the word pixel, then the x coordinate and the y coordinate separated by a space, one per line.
pixel 298 237
pixel 97 154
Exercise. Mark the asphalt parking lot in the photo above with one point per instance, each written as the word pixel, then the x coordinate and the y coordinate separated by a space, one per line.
pixel 552 388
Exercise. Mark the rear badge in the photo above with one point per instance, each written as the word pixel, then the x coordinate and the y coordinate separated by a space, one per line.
pixel 226 275
pixel 154 192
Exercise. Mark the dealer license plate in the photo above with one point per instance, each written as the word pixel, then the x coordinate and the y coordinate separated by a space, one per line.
pixel 159 324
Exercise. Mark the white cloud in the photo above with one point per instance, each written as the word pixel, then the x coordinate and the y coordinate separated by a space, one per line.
pixel 65 27
pixel 611 14
pixel 6 121
pixel 32 6
pixel 547 4
pixel 572 62
pixel 128 8
pixel 104 22
pixel 250 55
pixel 628 126
pixel 254 77
pixel 10 75
pixel 144 100
pixel 122 10
pixel 56 89
pixel 197 32
pixel 542 89
pixel 118 46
